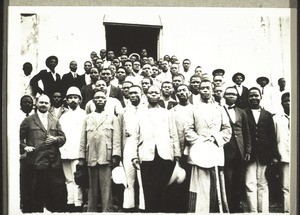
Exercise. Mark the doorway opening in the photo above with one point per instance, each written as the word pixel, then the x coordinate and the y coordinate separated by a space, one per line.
pixel 135 38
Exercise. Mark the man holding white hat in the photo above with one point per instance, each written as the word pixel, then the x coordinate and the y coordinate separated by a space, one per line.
pixel 128 123
pixel 71 123
pixel 156 147
pixel 207 130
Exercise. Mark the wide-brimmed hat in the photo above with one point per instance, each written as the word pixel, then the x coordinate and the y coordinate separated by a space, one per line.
pixel 118 175
pixel 136 55
pixel 238 74
pixel 218 70
pixel 205 154
pixel 262 78
pixel 50 58
pixel 178 175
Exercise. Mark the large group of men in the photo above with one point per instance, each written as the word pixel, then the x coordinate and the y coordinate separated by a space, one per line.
pixel 180 140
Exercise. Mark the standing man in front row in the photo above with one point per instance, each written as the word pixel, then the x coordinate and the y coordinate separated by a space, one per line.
pixel 156 147
pixel 100 147
pixel 237 150
pixel 128 122
pixel 263 152
pixel 71 123
pixel 41 137
pixel 208 122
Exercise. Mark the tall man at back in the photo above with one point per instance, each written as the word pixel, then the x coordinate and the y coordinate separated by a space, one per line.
pixel 50 79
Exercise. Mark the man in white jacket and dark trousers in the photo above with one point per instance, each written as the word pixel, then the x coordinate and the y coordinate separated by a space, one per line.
pixel 71 123
pixel 157 145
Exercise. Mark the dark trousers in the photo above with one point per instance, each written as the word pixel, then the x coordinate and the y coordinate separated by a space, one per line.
pixel 46 188
pixel 155 177
pixel 234 173
pixel 177 195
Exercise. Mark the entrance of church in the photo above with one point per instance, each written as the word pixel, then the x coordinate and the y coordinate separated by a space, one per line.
pixel 134 37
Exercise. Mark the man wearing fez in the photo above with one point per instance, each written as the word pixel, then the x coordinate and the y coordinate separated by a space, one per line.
pixel 41 137
pixel 100 148
pixel 50 79
pixel 242 97
pixel 207 123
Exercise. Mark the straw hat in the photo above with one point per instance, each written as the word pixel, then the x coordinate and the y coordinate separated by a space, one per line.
pixel 204 154
pixel 178 175
pixel 119 176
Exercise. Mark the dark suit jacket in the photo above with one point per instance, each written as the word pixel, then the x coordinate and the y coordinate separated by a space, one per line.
pixel 242 100
pixel 33 133
pixel 116 92
pixel 171 104
pixel 263 138
pixel 87 93
pixel 67 81
pixel 240 139
pixel 82 81
pixel 50 86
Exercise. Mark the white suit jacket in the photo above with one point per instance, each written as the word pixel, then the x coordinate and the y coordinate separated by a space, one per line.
pixel 206 120
pixel 156 128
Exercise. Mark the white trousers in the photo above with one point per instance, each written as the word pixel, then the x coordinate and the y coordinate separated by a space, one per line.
pixel 131 172
pixel 74 192
pixel 285 168
pixel 257 191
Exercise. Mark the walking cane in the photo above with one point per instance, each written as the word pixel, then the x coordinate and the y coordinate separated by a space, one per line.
pixel 218 190
pixel 223 192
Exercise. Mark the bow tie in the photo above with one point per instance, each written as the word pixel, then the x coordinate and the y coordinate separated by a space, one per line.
pixel 231 107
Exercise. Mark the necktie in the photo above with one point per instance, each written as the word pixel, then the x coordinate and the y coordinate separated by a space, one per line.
pixel 75 75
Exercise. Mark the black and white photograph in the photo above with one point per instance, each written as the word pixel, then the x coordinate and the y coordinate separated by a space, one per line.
pixel 149 110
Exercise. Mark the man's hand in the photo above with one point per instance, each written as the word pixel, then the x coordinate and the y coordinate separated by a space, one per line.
pixel 212 139
pixel 29 149
pixel 50 139
pixel 247 157
pixel 115 161
pixel 81 161
pixel 274 161
pixel 136 163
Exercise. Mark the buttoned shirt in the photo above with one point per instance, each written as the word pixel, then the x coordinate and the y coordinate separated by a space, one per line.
pixel 256 114
pixel 52 73
pixel 239 89
pixel 87 79
pixel 44 118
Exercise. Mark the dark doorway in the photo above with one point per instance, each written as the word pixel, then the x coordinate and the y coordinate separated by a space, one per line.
pixel 135 38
